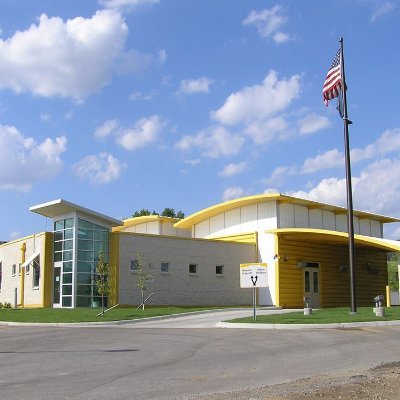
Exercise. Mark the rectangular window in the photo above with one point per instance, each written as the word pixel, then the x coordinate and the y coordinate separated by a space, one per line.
pixel 164 267
pixel 14 269
pixel 35 274
pixel 134 265
pixel 19 269
pixel 192 268
pixel 27 268
pixel 219 269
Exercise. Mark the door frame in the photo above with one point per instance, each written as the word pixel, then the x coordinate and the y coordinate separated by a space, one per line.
pixel 57 266
pixel 313 295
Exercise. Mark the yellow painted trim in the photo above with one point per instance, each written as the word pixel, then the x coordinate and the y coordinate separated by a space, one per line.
pixel 241 238
pixel 22 239
pixel 209 212
pixel 33 306
pixel 47 270
pixel 178 237
pixel 277 271
pixel 388 300
pixel 114 269
pixel 254 263
pixel 335 237
pixel 141 220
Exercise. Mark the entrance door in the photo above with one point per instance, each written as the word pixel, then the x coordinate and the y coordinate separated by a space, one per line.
pixel 311 287
pixel 57 287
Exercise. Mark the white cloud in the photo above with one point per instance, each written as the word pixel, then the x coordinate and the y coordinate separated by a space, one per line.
pixel 137 96
pixel 268 23
pixel 24 162
pixel 14 235
pixel 387 143
pixel 330 159
pixel 200 85
pixel 193 163
pixel 233 169
pixel 382 9
pixel 377 189
pixel 258 102
pixel 214 142
pixel 102 168
pixel 312 123
pixel 268 130
pixel 107 128
pixel 45 117
pixel 278 175
pixel 128 4
pixel 144 132
pixel 232 193
pixel 53 57
pixel 162 56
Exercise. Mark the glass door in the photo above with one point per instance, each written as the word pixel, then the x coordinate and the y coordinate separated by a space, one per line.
pixel 57 287
pixel 311 287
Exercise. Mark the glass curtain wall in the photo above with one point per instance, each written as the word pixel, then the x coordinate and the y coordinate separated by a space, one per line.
pixel 92 239
pixel 64 252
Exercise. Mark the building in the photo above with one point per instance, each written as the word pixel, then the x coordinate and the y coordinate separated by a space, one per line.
pixel 195 261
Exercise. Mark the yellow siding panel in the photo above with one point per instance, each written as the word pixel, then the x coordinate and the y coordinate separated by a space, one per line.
pixel 47 270
pixel 334 284
pixel 114 269
pixel 241 238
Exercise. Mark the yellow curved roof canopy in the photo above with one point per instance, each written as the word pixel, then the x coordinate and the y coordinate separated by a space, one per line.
pixel 209 212
pixel 335 237
pixel 143 219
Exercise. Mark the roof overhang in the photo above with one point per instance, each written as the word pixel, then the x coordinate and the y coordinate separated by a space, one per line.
pixel 129 222
pixel 30 259
pixel 335 237
pixel 212 211
pixel 56 208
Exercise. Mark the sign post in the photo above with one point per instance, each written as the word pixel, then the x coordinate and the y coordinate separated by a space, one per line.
pixel 253 276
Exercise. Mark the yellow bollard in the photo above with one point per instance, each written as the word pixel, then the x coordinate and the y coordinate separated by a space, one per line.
pixel 388 302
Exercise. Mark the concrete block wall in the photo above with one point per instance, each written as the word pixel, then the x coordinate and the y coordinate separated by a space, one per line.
pixel 178 286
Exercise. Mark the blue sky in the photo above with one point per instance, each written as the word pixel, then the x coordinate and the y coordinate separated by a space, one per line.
pixel 119 105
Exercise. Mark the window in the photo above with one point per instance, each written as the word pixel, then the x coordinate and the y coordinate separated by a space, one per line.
pixel 19 269
pixel 27 268
pixel 14 269
pixel 192 268
pixel 219 269
pixel 134 265
pixel 36 274
pixel 164 267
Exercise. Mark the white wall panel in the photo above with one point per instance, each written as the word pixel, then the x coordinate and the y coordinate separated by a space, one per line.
pixel 267 218
pixel 202 229
pixel 365 227
pixel 248 218
pixel 315 217
pixel 141 228
pixel 153 227
pixel 232 222
pixel 341 222
pixel 217 224
pixel 376 228
pixel 286 216
pixel 300 217
pixel 328 219
pixel 356 225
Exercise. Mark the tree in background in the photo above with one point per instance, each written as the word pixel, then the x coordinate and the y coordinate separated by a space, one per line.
pixel 167 212
pixel 393 274
pixel 143 212
pixel 103 279
pixel 142 277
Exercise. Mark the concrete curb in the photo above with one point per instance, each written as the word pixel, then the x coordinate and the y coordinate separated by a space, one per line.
pixel 345 325
pixel 123 321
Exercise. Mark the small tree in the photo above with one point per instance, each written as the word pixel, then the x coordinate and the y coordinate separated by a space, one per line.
pixel 142 277
pixel 103 279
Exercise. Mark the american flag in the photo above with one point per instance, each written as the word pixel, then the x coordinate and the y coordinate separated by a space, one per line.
pixel 333 80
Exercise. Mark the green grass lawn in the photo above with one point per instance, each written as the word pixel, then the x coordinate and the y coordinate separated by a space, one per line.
pixel 89 314
pixel 324 316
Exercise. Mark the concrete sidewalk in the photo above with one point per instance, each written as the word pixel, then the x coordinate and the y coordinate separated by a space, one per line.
pixel 208 319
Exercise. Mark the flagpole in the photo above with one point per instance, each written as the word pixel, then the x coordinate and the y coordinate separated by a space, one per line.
pixel 350 224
